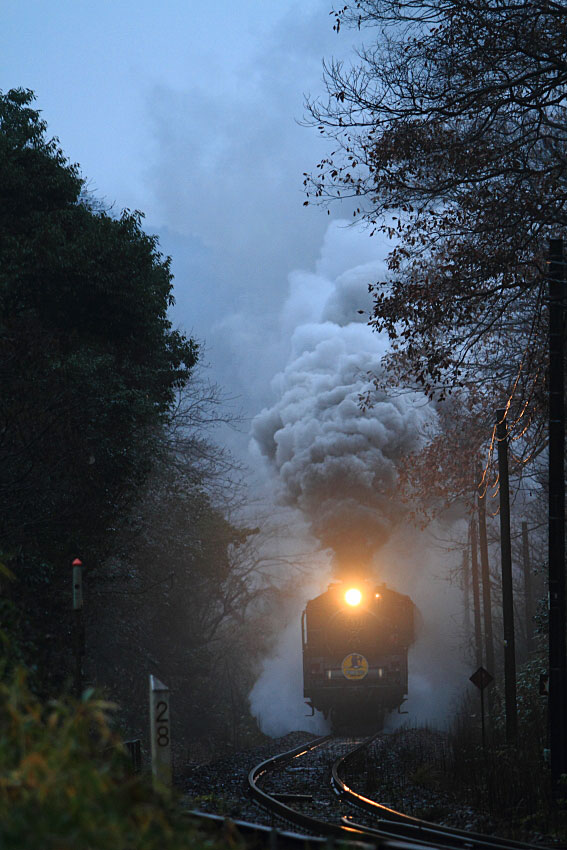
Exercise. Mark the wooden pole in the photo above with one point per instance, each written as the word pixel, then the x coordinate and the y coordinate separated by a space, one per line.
pixel 486 589
pixel 466 595
pixel 476 595
pixel 483 724
pixel 556 540
pixel 507 586
pixel 528 595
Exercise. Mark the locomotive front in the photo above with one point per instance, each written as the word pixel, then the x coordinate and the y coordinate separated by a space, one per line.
pixel 355 653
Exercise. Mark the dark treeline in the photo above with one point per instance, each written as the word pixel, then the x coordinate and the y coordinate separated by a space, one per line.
pixel 447 132
pixel 104 456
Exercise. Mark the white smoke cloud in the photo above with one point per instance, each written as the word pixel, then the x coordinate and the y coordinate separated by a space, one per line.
pixel 338 465
pixel 333 461
pixel 277 697
pixel 414 562
pixel 411 562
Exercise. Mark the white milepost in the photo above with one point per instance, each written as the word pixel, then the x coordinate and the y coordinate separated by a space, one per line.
pixel 160 732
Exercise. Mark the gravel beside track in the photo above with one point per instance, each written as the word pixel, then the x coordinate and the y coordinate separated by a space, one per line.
pixel 221 787
pixel 400 772
pixel 388 775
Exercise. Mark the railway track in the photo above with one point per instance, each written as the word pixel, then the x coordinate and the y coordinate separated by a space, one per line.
pixel 302 795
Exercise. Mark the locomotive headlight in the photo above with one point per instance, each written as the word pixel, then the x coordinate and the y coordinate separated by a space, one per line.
pixel 353 596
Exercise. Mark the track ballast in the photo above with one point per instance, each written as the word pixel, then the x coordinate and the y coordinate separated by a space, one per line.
pixel 297 787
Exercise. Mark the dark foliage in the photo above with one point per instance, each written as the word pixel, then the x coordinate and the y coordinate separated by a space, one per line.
pixel 179 598
pixel 66 782
pixel 449 132
pixel 90 363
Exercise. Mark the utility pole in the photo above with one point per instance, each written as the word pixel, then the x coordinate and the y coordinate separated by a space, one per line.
pixel 528 597
pixel 556 539
pixel 476 596
pixel 486 589
pixel 466 594
pixel 507 586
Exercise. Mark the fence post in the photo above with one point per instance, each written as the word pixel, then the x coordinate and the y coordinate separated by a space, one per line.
pixel 160 733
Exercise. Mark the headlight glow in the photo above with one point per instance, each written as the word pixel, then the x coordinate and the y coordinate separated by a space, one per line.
pixel 353 596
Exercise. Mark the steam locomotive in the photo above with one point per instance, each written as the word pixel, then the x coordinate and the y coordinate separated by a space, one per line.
pixel 355 654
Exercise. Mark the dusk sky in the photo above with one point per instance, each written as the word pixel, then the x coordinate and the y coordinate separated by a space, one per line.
pixel 190 113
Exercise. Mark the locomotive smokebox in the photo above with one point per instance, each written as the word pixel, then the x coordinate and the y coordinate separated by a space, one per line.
pixel 355 653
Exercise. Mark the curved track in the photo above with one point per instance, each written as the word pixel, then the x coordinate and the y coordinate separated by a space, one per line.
pixel 288 813
pixel 381 825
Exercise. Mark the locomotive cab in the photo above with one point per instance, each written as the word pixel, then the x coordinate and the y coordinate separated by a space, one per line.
pixel 355 647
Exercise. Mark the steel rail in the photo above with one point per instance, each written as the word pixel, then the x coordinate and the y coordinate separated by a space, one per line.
pixel 267 835
pixel 344 832
pixel 391 823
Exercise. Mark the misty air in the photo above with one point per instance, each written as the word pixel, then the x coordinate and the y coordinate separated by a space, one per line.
pixel 282 425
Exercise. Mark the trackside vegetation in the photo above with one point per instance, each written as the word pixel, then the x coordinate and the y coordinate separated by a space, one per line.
pixel 105 456
pixel 65 781
pixel 89 373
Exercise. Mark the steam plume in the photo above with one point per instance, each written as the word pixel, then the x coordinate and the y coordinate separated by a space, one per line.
pixel 338 466
pixel 333 461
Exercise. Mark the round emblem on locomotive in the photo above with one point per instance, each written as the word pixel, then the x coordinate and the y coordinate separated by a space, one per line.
pixel 354 666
